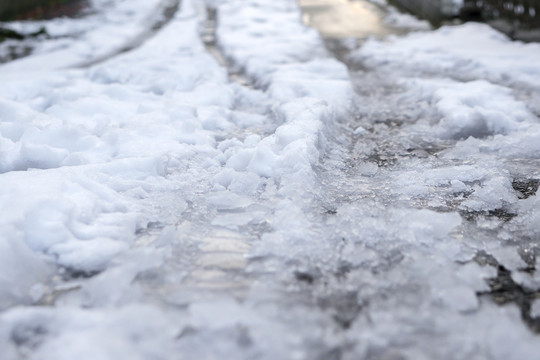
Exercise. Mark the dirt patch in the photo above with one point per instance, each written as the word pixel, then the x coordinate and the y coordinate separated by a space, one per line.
pixel 526 188
pixel 504 290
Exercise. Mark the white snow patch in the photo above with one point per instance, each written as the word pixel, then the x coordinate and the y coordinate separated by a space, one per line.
pixel 471 50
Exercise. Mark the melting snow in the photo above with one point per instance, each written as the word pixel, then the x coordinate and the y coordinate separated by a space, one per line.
pixel 155 208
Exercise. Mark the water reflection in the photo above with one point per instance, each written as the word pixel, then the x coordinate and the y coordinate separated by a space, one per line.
pixel 345 18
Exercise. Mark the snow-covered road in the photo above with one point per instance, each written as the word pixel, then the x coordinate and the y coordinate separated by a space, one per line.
pixel 206 180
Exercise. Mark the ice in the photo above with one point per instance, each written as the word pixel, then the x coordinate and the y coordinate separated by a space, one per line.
pixel 495 193
pixel 530 210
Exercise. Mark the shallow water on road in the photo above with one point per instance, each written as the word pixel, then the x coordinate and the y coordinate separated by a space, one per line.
pixel 345 18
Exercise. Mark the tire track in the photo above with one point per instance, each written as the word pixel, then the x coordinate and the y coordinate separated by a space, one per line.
pixel 166 13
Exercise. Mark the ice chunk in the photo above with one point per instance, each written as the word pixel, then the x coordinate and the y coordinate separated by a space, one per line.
pixel 495 193
pixel 425 226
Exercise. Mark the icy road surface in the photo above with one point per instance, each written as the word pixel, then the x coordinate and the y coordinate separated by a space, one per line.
pixel 205 180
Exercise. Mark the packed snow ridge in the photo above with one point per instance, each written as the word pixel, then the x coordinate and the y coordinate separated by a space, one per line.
pixel 153 207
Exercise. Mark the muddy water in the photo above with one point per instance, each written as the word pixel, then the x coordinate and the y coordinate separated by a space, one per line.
pixel 345 18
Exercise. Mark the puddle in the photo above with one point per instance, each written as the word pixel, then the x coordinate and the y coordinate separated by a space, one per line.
pixel 345 18
pixel 346 24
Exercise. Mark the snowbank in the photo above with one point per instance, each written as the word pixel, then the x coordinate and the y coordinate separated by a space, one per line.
pixel 469 51
pixel 85 153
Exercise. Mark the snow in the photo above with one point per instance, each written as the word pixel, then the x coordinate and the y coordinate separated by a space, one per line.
pixel 119 333
pixel 76 42
pixel 154 206
pixel 469 51
pixel 535 308
pixel 475 108
pixel 103 145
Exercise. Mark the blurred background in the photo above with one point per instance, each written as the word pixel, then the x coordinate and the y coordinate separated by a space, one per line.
pixel 38 9
pixel 517 18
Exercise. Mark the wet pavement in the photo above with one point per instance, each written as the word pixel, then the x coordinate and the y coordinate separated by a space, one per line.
pixel 346 19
